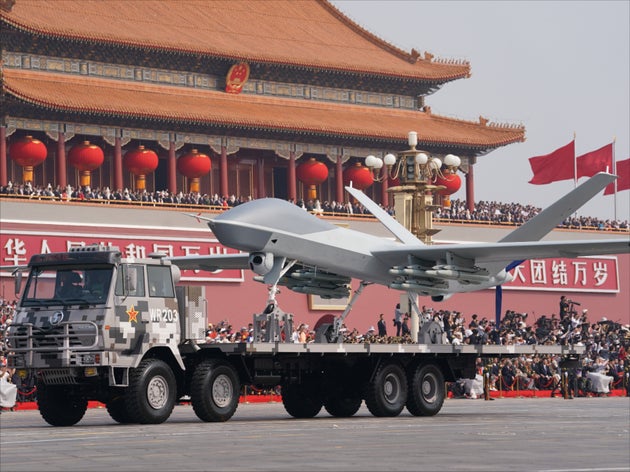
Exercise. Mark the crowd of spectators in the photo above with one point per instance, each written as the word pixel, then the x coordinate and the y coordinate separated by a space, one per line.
pixel 485 212
pixel 516 214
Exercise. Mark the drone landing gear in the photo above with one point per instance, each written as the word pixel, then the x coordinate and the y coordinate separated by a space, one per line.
pixel 331 332
pixel 273 324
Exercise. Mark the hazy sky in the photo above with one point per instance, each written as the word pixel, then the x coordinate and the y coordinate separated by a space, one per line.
pixel 558 67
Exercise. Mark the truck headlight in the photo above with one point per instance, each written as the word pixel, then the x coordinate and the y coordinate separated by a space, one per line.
pixel 90 372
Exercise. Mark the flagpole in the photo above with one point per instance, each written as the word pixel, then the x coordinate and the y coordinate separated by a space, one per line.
pixel 614 171
pixel 574 165
pixel 575 214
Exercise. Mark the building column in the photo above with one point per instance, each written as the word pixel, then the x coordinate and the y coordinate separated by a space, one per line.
pixel 291 178
pixel 61 168
pixel 172 168
pixel 384 187
pixel 470 188
pixel 3 157
pixel 339 179
pixel 261 192
pixel 118 172
pixel 223 171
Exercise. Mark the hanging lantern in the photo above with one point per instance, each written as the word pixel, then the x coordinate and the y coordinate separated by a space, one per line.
pixel 28 152
pixel 452 182
pixel 194 165
pixel 85 157
pixel 359 176
pixel 312 173
pixel 140 162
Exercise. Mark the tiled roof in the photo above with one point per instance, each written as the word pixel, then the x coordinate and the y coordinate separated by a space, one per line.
pixel 303 33
pixel 117 98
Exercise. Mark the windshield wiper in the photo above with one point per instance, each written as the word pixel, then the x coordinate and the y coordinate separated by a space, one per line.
pixel 42 302
pixel 73 301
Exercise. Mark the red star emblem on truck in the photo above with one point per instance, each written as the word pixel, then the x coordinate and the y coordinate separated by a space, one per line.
pixel 133 314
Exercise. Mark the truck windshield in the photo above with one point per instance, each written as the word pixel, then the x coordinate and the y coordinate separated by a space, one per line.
pixel 67 285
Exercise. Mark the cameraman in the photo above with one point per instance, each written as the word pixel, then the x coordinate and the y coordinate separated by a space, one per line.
pixel 564 307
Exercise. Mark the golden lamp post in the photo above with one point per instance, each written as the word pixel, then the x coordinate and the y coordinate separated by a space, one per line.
pixel 418 173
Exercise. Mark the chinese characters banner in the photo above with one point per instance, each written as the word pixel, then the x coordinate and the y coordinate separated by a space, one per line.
pixel 586 274
pixel 18 247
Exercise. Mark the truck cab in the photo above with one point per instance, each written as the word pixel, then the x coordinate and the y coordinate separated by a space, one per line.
pixel 87 317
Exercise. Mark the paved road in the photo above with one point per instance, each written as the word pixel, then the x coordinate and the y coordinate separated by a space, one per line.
pixel 586 434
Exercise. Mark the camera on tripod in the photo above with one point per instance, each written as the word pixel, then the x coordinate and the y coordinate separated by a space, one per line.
pixel 572 310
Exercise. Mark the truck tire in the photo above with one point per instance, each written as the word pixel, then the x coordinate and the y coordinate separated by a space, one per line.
pixel 117 409
pixel 215 390
pixel 301 400
pixel 386 393
pixel 343 407
pixel 60 406
pixel 152 392
pixel 426 390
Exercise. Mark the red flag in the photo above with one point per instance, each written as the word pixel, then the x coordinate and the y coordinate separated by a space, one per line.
pixel 593 162
pixel 623 181
pixel 555 166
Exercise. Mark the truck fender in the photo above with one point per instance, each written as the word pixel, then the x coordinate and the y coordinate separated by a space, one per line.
pixel 178 357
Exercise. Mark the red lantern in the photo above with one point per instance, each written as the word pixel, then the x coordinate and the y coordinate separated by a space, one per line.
pixel 452 182
pixel 28 152
pixel 86 157
pixel 312 173
pixel 194 165
pixel 359 176
pixel 140 162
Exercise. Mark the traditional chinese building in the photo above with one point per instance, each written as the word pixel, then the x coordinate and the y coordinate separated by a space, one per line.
pixel 233 98
pixel 257 87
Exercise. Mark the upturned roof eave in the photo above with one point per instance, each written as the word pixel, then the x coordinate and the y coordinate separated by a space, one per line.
pixel 336 133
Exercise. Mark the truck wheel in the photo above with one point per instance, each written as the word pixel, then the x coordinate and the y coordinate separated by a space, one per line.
pixel 117 409
pixel 151 393
pixel 60 406
pixel 386 394
pixel 301 401
pixel 426 390
pixel 343 407
pixel 215 391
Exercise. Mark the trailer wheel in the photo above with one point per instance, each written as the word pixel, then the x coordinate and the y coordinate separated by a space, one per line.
pixel 214 391
pixel 343 407
pixel 301 400
pixel 117 409
pixel 151 393
pixel 60 406
pixel 386 393
pixel 426 390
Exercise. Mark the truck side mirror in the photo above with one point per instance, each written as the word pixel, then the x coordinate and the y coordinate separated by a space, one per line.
pixel 18 281
pixel 129 279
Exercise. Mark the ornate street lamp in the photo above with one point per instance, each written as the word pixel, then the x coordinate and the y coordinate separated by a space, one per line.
pixel 421 176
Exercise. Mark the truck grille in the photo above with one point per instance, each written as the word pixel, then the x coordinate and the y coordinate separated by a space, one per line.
pixel 58 377
pixel 64 339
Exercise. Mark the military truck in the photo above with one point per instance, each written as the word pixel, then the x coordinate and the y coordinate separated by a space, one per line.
pixel 93 325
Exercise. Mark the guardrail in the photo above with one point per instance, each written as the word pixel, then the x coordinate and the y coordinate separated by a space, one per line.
pixel 335 214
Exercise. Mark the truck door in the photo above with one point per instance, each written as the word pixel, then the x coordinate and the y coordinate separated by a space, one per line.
pixel 132 316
